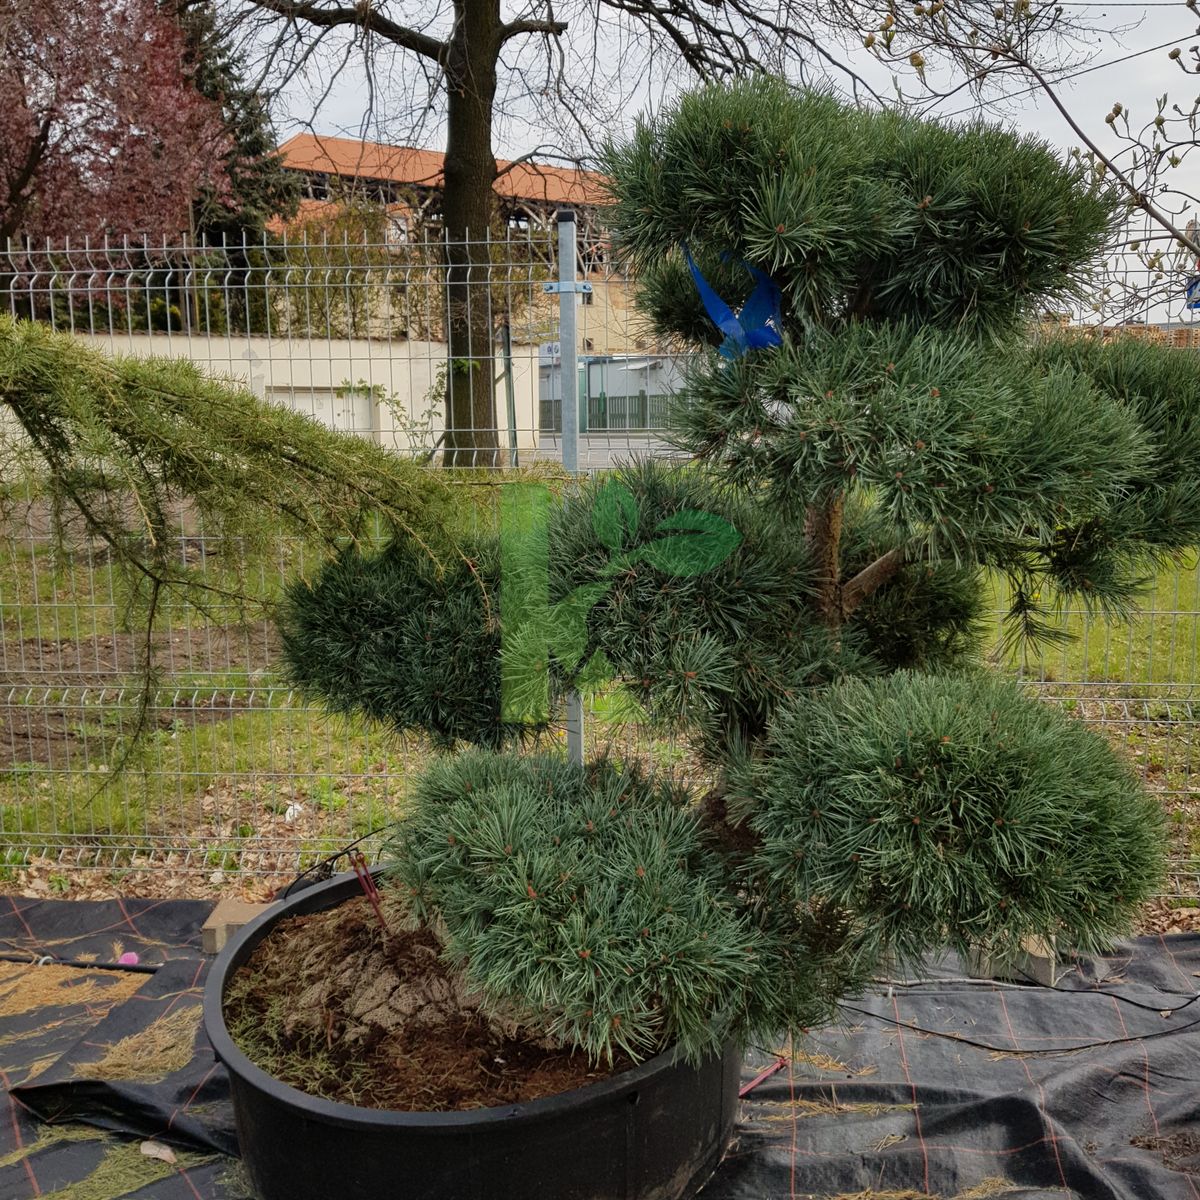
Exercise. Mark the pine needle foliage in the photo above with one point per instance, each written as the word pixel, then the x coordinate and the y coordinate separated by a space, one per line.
pixel 952 809
pixel 1156 514
pixel 948 442
pixel 125 441
pixel 582 900
pixel 928 616
pixel 816 625
pixel 857 215
pixel 717 652
pixel 712 654
pixel 124 445
pixel 714 651
pixel 911 257
pixel 403 638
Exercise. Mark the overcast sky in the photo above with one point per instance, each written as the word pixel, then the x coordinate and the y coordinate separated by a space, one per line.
pixel 1129 66
pixel 1145 73
pixel 1127 63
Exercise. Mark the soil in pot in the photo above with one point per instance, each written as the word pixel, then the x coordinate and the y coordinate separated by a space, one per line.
pixel 336 1007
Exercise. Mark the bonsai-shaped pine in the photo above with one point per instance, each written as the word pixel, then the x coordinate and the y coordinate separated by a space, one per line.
pixel 893 438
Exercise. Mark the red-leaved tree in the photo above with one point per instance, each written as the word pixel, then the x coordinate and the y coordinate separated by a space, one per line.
pixel 101 130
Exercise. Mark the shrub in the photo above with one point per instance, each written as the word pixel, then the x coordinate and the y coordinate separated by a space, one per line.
pixel 952 810
pixel 403 638
pixel 583 900
pixel 803 596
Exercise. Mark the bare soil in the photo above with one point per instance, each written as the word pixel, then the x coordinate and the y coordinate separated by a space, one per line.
pixel 336 1007
pixel 104 658
pixel 1179 1151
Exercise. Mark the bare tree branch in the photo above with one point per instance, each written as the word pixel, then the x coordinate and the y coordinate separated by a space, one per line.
pixel 516 28
pixel 364 16
pixel 1138 198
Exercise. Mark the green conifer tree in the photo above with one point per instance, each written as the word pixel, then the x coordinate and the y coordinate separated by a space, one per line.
pixel 259 186
pixel 233 221
pixel 897 433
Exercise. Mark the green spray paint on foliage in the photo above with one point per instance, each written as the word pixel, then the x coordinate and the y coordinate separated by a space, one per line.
pixel 685 544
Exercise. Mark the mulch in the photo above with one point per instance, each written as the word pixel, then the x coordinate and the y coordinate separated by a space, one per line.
pixel 383 1002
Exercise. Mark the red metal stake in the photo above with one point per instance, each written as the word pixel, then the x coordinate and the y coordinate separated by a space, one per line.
pixel 367 881
pixel 764 1074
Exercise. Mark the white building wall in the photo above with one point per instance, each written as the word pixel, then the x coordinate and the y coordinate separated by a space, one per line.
pixel 388 390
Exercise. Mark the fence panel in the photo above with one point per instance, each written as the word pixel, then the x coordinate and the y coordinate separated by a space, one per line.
pixel 231 773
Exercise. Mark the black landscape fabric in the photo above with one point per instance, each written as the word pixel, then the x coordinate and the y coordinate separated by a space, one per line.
pixel 949 1087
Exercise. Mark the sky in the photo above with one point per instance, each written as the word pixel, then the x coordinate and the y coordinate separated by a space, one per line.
pixel 1130 67
pixel 1146 72
pixel 1125 62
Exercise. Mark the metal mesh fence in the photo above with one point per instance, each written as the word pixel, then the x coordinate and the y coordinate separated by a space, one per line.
pixel 228 771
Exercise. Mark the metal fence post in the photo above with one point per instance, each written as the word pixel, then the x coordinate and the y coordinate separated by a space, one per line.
pixel 567 336
pixel 570 416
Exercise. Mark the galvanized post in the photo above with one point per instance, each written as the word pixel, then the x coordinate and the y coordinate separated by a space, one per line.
pixel 570 417
pixel 567 338
pixel 514 458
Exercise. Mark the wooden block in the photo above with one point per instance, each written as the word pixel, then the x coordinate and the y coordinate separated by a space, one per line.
pixel 228 916
pixel 1035 962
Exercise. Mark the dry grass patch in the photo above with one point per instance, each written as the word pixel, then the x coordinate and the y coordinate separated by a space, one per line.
pixel 49 1136
pixel 992 1186
pixel 832 1107
pixel 872 1194
pixel 158 1050
pixel 826 1062
pixel 26 986
pixel 124 1170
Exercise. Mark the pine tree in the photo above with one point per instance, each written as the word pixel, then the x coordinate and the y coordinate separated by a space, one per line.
pixel 892 433
pixel 911 258
pixel 259 186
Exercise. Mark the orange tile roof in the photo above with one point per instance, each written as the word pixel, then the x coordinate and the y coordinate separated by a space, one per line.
pixel 403 164
pixel 311 209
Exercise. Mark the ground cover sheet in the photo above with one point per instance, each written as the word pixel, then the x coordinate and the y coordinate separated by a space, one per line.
pixel 948 1087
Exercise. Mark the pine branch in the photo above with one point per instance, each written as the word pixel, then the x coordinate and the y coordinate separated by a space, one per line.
pixel 870 579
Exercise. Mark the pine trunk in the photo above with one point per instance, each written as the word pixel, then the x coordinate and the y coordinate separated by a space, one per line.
pixel 471 437
pixel 824 531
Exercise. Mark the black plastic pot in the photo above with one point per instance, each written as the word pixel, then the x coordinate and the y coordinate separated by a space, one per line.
pixel 655 1132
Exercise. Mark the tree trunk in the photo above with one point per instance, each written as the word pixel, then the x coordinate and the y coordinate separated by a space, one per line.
pixel 823 528
pixel 21 178
pixel 467 204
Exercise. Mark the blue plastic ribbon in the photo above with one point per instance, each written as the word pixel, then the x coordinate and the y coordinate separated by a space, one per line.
pixel 758 324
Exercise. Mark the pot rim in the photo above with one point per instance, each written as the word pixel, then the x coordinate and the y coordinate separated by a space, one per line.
pixel 244 940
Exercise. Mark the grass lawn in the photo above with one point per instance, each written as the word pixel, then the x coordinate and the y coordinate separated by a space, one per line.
pixel 75 597
pixel 254 790
pixel 235 776
pixel 1158 650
